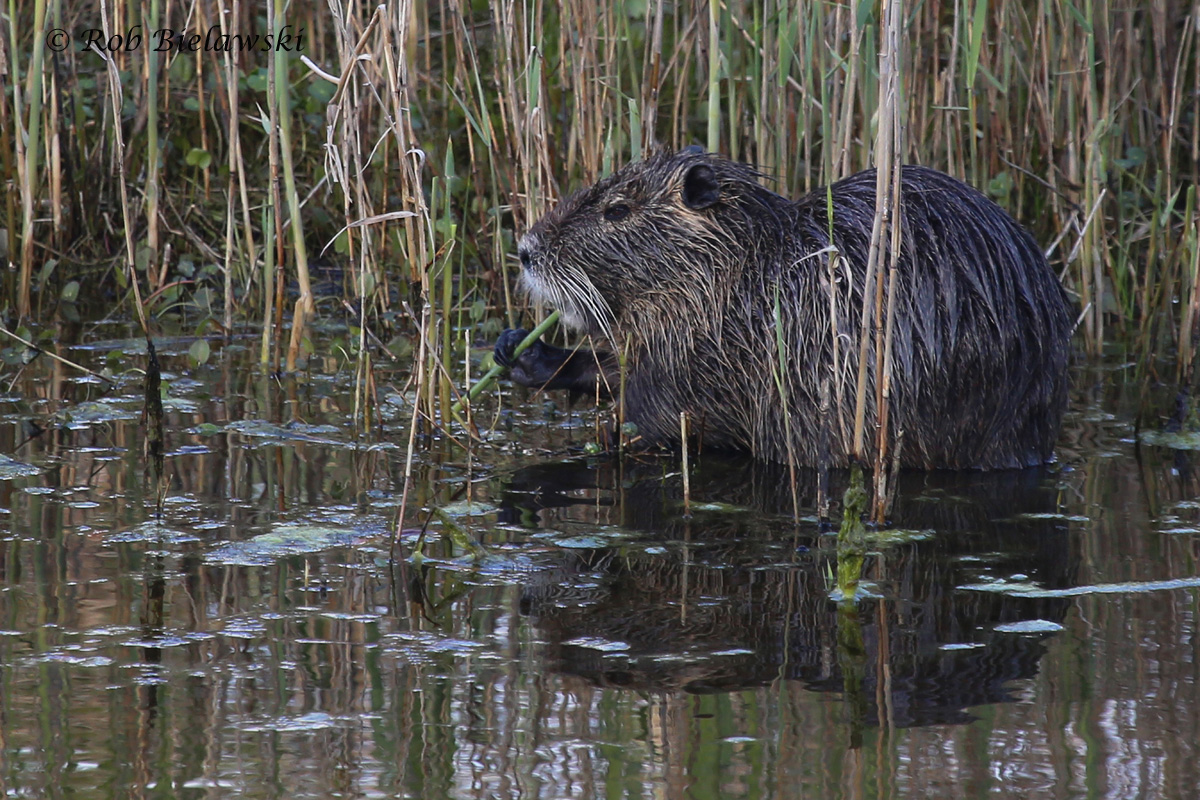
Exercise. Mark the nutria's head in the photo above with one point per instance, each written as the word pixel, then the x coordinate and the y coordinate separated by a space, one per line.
pixel 674 223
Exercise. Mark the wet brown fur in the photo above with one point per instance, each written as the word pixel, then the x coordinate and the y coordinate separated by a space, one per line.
pixel 689 274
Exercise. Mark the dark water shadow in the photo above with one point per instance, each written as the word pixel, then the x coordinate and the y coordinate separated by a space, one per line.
pixel 737 596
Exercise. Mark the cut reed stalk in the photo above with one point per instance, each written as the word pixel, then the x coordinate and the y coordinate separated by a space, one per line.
pixel 54 141
pixel 1191 316
pixel 152 151
pixel 687 470
pixel 268 284
pixel 115 96
pixel 874 333
pixel 237 173
pixel 782 369
pixel 7 171
pixel 891 129
pixel 304 307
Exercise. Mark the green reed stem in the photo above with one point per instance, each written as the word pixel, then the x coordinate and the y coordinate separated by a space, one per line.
pixel 714 77
pixel 32 151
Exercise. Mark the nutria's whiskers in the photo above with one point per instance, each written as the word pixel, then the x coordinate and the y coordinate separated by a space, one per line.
pixel 582 306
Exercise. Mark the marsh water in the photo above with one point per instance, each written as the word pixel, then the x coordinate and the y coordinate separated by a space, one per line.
pixel 274 632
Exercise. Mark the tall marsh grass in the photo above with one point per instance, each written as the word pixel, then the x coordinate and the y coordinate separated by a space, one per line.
pixel 414 140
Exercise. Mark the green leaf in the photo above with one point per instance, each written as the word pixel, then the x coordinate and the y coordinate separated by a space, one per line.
pixel 199 158
pixel 368 284
pixel 1000 187
pixel 1134 157
pixel 976 42
pixel 321 91
pixel 866 10
pixel 11 356
pixel 199 352
pixel 257 80
pixel 47 271
pixel 70 292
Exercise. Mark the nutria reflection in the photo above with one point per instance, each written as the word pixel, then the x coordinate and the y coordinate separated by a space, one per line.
pixel 737 597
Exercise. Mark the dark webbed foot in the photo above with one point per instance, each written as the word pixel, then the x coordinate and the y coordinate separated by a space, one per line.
pixel 543 366
pixel 506 344
pixel 539 365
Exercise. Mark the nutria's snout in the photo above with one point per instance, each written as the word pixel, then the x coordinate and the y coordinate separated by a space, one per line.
pixel 525 250
pixel 562 287
pixel 533 281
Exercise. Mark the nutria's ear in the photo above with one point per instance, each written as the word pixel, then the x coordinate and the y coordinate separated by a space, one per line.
pixel 700 188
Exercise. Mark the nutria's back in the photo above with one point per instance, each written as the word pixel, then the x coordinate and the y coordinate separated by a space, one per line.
pixel 690 261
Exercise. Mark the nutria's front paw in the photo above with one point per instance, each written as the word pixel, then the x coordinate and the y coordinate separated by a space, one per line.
pixel 506 344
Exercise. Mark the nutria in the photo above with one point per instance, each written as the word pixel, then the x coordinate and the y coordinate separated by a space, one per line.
pixel 686 260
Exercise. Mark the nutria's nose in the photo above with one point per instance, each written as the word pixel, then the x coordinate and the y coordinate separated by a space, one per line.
pixel 525 249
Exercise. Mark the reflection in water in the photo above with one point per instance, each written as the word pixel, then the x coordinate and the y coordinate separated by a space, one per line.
pixel 694 612
pixel 1032 634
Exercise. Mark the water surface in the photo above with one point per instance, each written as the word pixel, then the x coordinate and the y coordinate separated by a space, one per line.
pixel 1028 633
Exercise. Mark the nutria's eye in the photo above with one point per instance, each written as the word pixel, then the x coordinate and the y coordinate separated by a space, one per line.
pixel 616 212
